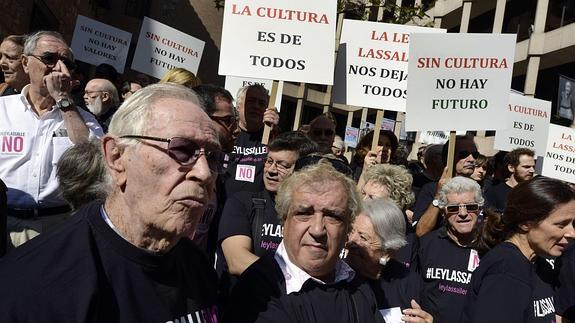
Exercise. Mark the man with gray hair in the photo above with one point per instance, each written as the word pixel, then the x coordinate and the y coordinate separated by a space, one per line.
pixel 101 98
pixel 317 206
pixel 127 259
pixel 446 258
pixel 36 127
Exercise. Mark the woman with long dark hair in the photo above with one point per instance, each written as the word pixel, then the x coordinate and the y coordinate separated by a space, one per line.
pixel 513 282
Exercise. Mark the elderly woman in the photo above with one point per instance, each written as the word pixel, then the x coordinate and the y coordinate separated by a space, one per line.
pixel 393 182
pixel 446 259
pixel 15 78
pixel 513 281
pixel 378 233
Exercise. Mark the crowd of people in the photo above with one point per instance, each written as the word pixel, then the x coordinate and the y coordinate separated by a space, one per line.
pixel 160 203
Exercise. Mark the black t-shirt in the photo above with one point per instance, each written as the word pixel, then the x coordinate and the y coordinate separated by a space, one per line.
pixel 238 214
pixel 446 270
pixel 245 165
pixel 408 253
pixel 423 200
pixel 84 271
pixel 506 287
pixel 496 197
pixel 565 292
pixel 396 287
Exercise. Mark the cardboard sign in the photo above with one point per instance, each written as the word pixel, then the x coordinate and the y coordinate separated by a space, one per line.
pixel 233 84
pixel 161 48
pixel 372 64
pixel 351 136
pixel 559 159
pixel 457 82
pixel 290 40
pixel 97 43
pixel 527 124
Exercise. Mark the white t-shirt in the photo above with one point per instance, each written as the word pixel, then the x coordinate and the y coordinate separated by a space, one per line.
pixel 30 147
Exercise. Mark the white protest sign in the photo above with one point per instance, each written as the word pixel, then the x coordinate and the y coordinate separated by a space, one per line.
pixel 97 43
pixel 559 159
pixel 458 81
pixel 351 136
pixel 161 48
pixel 436 137
pixel 372 64
pixel 527 124
pixel 233 84
pixel 279 40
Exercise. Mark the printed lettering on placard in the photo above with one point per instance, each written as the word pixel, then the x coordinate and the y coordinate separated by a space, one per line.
pixel 246 173
pixel 12 142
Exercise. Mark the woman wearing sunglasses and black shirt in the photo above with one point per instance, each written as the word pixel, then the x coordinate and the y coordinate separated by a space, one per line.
pixel 513 283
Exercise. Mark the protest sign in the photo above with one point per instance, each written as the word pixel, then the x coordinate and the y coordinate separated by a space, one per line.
pixel 279 40
pixel 97 43
pixel 372 64
pixel 456 82
pixel 559 159
pixel 161 48
pixel 527 124
pixel 233 84
pixel 351 136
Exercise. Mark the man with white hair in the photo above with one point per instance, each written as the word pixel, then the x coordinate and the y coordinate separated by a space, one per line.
pixel 128 259
pixel 36 127
pixel 101 98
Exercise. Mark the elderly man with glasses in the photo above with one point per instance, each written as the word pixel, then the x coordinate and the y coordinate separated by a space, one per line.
pixel 36 127
pixel 128 259
pixel 446 258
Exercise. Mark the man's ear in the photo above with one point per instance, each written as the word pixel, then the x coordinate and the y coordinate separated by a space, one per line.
pixel 105 97
pixel 24 59
pixel 114 159
pixel 511 168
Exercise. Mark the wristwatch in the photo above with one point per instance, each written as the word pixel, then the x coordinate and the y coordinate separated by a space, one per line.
pixel 435 203
pixel 64 104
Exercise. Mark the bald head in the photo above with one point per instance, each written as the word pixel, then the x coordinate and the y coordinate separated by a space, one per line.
pixel 100 95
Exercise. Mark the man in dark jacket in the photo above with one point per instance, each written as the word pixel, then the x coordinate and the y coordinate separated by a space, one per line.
pixel 305 276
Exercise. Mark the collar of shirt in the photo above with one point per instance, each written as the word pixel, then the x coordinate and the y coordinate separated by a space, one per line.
pixel 106 219
pixel 295 277
pixel 24 98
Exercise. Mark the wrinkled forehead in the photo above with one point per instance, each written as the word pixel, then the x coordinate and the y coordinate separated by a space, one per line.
pixel 53 45
pixel 179 117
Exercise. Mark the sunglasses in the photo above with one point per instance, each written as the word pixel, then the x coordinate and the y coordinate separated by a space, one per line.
pixel 465 153
pixel 228 122
pixel 186 152
pixel 469 207
pixel 324 132
pixel 51 59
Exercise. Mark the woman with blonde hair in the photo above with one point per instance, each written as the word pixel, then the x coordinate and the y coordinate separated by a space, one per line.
pixel 181 76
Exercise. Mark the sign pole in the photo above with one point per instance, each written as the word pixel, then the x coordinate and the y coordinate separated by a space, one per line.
pixel 450 153
pixel 271 103
pixel 377 129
